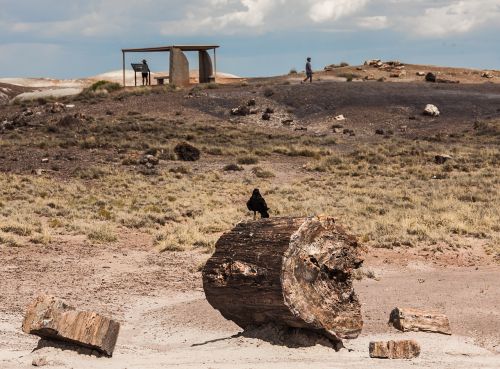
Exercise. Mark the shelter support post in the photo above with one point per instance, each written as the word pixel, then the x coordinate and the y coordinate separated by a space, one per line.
pixel 123 63
pixel 206 70
pixel 215 65
pixel 179 68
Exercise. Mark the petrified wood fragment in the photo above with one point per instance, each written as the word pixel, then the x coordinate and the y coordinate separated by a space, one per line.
pixel 294 272
pixel 406 319
pixel 407 349
pixel 50 317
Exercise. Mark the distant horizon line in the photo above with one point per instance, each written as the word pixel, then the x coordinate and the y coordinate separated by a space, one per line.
pixel 237 75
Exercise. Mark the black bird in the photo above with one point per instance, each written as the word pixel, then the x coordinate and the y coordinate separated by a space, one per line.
pixel 258 204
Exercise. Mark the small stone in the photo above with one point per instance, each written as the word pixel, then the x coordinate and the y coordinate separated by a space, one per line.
pixel 287 122
pixel 150 159
pixel 187 152
pixel 398 74
pixel 269 111
pixel 379 132
pixel 373 62
pixel 339 117
pixel 251 102
pixel 40 361
pixel 431 110
pixel 266 116
pixel 420 74
pixel 38 172
pixel 407 349
pixel 442 158
pixel 56 107
pixel 240 111
pixel 430 77
pixel 45 160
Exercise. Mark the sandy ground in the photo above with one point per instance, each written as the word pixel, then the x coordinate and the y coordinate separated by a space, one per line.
pixel 43 82
pixel 166 321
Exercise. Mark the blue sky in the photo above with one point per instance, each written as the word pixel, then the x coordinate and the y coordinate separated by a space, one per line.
pixel 80 38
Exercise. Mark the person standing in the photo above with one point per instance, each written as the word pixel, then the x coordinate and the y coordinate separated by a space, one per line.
pixel 309 71
pixel 145 72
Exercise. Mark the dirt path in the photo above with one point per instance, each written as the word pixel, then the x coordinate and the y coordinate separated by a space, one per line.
pixel 166 321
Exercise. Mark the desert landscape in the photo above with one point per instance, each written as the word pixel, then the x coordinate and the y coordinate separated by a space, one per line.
pixel 99 207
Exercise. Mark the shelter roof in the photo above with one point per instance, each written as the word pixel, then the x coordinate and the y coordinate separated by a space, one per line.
pixel 168 48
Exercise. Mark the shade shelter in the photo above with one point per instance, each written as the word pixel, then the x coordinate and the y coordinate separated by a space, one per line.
pixel 179 65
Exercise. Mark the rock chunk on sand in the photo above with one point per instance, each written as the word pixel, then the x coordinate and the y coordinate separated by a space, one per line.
pixel 442 158
pixel 50 317
pixel 187 152
pixel 431 110
pixel 407 349
pixel 406 319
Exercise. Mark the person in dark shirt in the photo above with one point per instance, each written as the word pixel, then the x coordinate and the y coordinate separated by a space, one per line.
pixel 145 72
pixel 309 71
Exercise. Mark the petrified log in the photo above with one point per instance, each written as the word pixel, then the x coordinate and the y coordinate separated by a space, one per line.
pixel 419 320
pixel 294 272
pixel 50 317
pixel 407 349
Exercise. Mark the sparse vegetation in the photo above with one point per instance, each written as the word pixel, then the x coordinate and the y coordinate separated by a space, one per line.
pixel 232 168
pixel 102 233
pixel 403 197
pixel 248 160
pixel 349 76
pixel 98 89
pixel 268 92
pixel 262 173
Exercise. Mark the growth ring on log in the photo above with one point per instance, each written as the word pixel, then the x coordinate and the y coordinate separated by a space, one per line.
pixel 294 272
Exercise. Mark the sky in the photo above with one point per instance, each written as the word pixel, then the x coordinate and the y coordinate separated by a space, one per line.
pixel 82 38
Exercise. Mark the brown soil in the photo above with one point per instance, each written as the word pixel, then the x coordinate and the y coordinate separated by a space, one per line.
pixel 158 297
pixel 166 321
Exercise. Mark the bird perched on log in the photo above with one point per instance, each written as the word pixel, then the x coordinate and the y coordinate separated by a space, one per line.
pixel 258 204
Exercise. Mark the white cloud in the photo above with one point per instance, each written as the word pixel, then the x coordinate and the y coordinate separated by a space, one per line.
pixel 375 22
pixel 118 18
pixel 455 18
pixel 322 11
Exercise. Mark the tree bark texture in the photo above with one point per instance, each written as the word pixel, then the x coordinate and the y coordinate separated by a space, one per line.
pixel 294 272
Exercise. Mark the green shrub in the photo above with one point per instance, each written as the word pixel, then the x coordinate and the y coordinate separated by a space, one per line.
pixel 105 85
